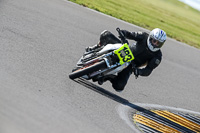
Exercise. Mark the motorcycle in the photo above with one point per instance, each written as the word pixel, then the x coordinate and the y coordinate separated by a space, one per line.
pixel 105 63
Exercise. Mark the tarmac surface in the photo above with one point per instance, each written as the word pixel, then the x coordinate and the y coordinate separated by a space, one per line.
pixel 40 43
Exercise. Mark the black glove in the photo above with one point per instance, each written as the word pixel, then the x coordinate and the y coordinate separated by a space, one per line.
pixel 123 37
pixel 136 72
pixel 123 32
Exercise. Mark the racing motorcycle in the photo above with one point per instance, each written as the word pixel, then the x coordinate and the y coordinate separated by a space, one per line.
pixel 105 63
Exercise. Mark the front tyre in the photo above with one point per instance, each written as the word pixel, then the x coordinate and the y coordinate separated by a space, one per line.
pixel 86 70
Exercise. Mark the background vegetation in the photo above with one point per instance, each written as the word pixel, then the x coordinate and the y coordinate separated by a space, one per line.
pixel 180 21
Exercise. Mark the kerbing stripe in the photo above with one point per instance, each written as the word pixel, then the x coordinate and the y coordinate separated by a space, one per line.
pixel 179 120
pixel 147 129
pixel 191 118
pixel 166 122
pixel 154 124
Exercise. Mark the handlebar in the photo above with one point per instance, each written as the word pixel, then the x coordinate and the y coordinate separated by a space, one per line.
pixel 121 36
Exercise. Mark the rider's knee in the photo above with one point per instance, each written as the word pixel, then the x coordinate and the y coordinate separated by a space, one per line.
pixel 118 86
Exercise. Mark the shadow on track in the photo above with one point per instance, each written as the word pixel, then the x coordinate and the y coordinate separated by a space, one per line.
pixel 108 94
pixel 123 101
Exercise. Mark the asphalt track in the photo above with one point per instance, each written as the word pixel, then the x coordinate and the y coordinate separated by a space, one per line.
pixel 40 42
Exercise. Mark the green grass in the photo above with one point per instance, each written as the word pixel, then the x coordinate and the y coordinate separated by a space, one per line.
pixel 180 21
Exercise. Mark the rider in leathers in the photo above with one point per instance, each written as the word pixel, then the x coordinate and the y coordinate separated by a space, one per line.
pixel 146 52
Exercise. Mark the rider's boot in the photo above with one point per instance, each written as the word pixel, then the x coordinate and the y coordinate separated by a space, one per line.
pixel 91 48
pixel 102 80
pixel 102 42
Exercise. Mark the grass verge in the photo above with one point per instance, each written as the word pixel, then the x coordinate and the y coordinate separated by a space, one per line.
pixel 180 21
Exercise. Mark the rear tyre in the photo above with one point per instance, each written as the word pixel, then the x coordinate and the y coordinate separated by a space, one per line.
pixel 84 71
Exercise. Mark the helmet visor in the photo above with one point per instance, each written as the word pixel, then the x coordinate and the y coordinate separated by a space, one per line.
pixel 155 43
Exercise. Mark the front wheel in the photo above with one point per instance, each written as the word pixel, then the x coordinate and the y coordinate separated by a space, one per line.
pixel 86 70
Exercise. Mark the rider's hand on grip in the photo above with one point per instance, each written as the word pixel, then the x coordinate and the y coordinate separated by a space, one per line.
pixel 122 34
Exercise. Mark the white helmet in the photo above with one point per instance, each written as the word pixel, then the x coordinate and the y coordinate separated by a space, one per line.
pixel 156 39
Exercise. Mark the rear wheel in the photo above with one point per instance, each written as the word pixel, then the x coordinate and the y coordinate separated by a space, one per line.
pixel 86 70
